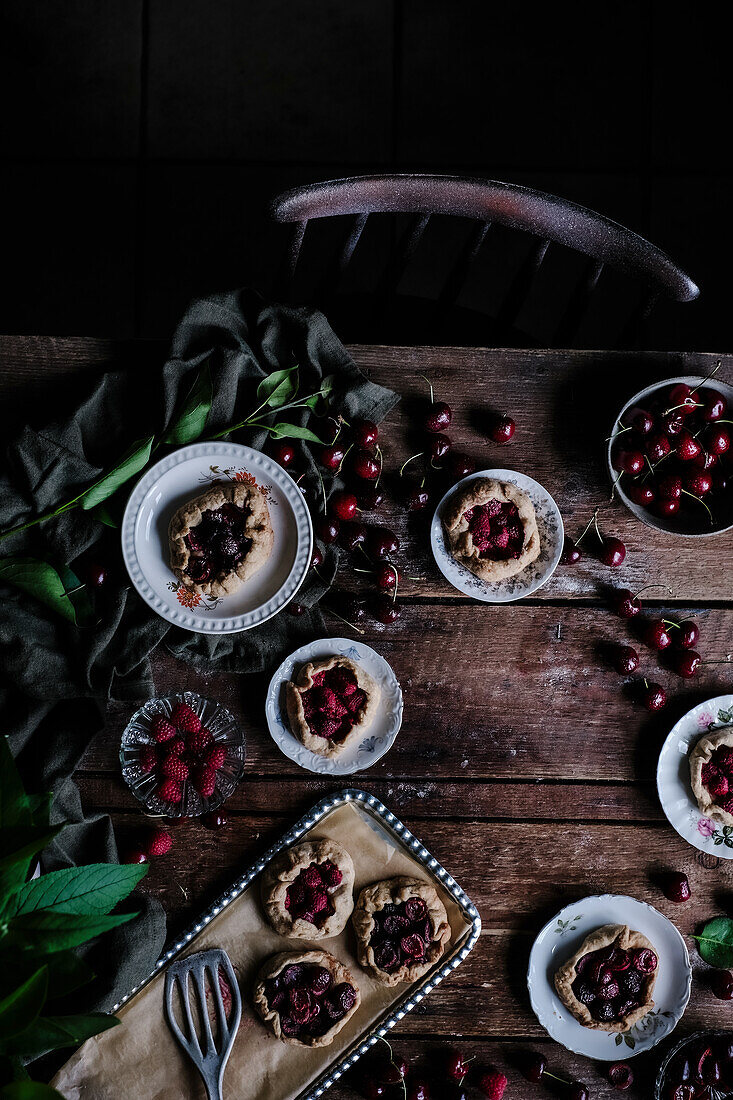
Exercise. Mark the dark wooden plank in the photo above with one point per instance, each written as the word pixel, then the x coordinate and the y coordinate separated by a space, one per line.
pixel 543 706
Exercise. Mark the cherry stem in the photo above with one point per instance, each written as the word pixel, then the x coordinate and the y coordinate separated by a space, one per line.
pixel 626 428
pixel 648 586
pixel 587 528
pixel 562 1080
pixel 343 620
pixel 700 501
pixel 409 460
pixel 393 1063
pixel 343 459
pixel 613 488
pixel 432 395
pixel 378 449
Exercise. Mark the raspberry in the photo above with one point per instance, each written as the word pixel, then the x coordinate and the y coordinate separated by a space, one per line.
pixel 481 526
pixel 331 874
pixel 185 718
pixel 329 727
pixel 148 759
pixel 493 507
pixel 159 843
pixel 322 698
pixel 169 791
pixel 199 740
pixel 320 902
pixel 724 759
pixel 493 1083
pixel 176 747
pixel 205 781
pixel 355 701
pixel 215 756
pixel 342 680
pixel 501 539
pixel 336 709
pixel 163 730
pixel 312 876
pixel 719 786
pixel 727 804
pixel 174 768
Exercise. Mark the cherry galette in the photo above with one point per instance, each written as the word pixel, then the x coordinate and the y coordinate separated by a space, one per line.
pixel 330 703
pixel 221 538
pixel 608 983
pixel 308 890
pixel 711 775
pixel 491 528
pixel 305 997
pixel 401 929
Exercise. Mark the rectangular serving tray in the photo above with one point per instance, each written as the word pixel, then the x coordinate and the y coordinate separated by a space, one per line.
pixel 416 992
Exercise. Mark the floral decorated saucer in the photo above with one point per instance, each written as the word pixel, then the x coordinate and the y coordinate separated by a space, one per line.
pixel 673 778
pixel 560 939
pixel 551 534
pixel 378 737
pixel 175 480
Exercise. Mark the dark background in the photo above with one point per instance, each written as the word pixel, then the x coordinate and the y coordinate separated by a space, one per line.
pixel 144 138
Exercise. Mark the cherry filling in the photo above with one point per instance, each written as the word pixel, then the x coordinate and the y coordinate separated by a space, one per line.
pixel 218 543
pixel 307 896
pixel 401 934
pixel 496 530
pixel 331 705
pixel 717 776
pixel 610 981
pixel 307 1000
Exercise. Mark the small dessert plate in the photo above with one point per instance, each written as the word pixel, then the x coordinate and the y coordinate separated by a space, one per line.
pixel 179 477
pixel 549 526
pixel 378 737
pixel 673 778
pixel 561 938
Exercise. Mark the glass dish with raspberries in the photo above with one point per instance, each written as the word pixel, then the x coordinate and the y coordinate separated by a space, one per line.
pixel 700 1067
pixel 670 456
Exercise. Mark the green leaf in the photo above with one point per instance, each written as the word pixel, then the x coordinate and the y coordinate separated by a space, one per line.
pixel 14 803
pixel 294 431
pixel 190 420
pixel 48 932
pixel 18 845
pixel 29 1090
pixel 325 388
pixel 103 514
pixel 131 464
pixel 66 971
pixel 715 943
pixel 40 580
pixel 40 807
pixel 54 1032
pixel 278 388
pixel 20 1008
pixel 96 888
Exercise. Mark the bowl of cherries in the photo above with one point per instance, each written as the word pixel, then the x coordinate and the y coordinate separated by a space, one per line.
pixel 699 1067
pixel 670 456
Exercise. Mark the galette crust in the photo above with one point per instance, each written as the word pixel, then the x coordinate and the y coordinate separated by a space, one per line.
pixel 394 891
pixel 701 755
pixel 257 527
pixel 274 965
pixel 480 491
pixel 294 689
pixel 285 869
pixel 627 940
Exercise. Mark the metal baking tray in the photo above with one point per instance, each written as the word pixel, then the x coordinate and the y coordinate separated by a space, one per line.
pixel 416 992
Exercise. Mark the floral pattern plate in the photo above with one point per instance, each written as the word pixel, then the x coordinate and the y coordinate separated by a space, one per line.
pixel 561 937
pixel 177 478
pixel 673 778
pixel 378 737
pixel 551 532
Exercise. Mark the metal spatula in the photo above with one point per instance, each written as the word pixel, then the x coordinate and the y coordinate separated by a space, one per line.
pixel 194 971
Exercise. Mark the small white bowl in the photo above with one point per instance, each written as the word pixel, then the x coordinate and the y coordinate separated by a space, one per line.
pixel 673 780
pixel 549 526
pixel 644 514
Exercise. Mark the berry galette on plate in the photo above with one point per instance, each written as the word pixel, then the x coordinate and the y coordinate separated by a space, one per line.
pixel 491 528
pixel 608 983
pixel 308 890
pixel 330 703
pixel 221 538
pixel 711 775
pixel 305 997
pixel 401 929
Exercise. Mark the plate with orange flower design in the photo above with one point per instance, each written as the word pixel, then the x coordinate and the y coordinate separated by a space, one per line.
pixel 178 478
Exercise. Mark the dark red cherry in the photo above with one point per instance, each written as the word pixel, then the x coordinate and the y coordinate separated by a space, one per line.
pixel 628 462
pixel 686 663
pixel 365 465
pixel 532 1066
pixel 331 457
pixel 438 417
pixel 625 659
pixel 365 432
pixel 456 1066
pixel 381 542
pixel 720 481
pixel 459 465
pixel 283 453
pixel 676 887
pixel 418 1089
pixel 387 576
pixel 502 429
pixel 620 1075
pixel 687 447
pixel 721 983
pixel 95 574
pixel 375 1090
pixel 672 424
pixel 717 440
pixel 217 819
pixel 438 447
pixel 295 609
pixel 343 504
pixel 665 509
pixel 316 558
pixel 698 483
pixel 653 696
pixel 135 855
pixel 714 405
pixel 326 529
pixel 656 635
pixel 670 487
pixel 688 634
pixel 386 610
pixel 626 604
pixel 612 551
pixel 571 554
pixel 370 497
pixel 352 535
pixel 416 498
pixel 682 397
pixel 705 461
pixel 657 447
pixel 641 493
pixel 577 1091
pixel 641 421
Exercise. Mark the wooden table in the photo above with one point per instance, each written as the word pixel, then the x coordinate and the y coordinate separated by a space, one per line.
pixel 522 763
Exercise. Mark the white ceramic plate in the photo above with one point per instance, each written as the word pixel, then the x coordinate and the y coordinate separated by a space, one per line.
pixel 673 778
pixel 562 936
pixel 551 532
pixel 380 735
pixel 177 478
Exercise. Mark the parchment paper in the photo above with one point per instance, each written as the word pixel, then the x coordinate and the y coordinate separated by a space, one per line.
pixel 141 1059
